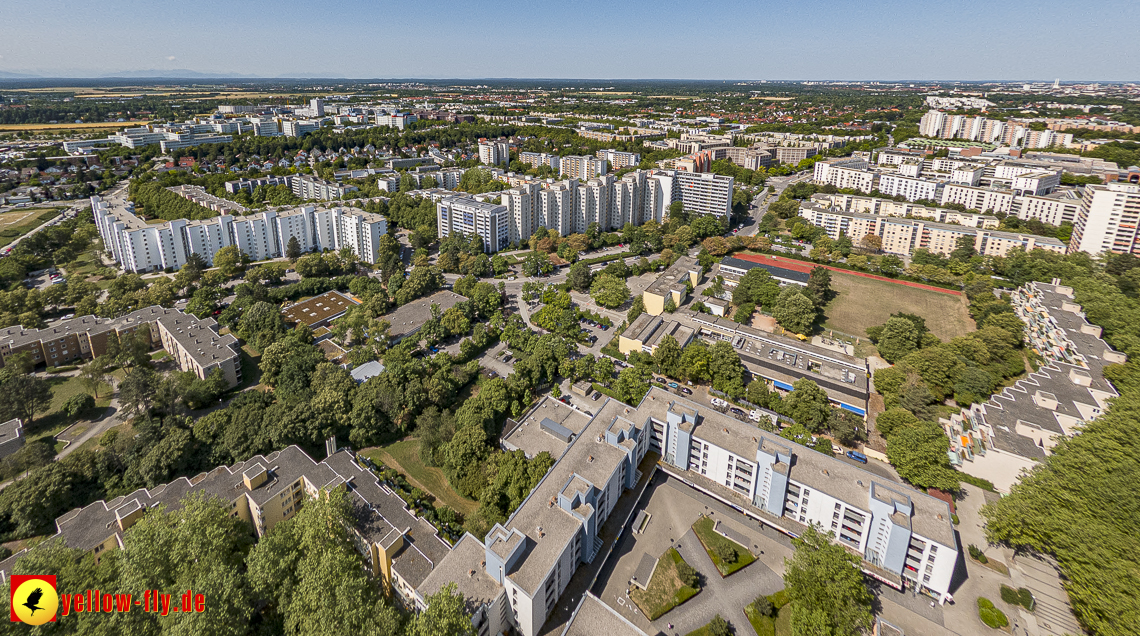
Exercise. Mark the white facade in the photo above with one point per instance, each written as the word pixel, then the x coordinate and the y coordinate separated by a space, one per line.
pixel 975 198
pixel 298 128
pixel 469 217
pixel 140 247
pixel 581 168
pixel 911 189
pixel 494 153
pixel 1107 219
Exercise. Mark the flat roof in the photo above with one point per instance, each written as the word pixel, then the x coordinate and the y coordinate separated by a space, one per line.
pixel 317 309
pixel 410 317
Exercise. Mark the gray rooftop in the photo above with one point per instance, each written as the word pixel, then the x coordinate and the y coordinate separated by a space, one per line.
pixel 410 317
pixel 529 436
pixel 594 618
pixel 675 276
pixel 818 471
pixel 381 515
pixel 465 567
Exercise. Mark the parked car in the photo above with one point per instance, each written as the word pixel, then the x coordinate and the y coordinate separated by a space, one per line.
pixel 736 411
pixel 717 401
pixel 857 456
pixel 673 385
pixel 754 415
pixel 686 391
pixel 661 380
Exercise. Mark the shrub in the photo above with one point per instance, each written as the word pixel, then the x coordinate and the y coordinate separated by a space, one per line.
pixel 726 553
pixel 718 627
pixel 990 615
pixel 687 574
pixel 1020 596
pixel 78 404
pixel 109 438
pixel 976 554
pixel 762 606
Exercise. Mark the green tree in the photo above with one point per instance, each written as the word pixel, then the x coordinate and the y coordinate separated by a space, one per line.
pixel 897 339
pixel 807 404
pixel 300 560
pixel 22 395
pixel 229 260
pixel 918 453
pixel 826 588
pixel 794 311
pixel 446 615
pixel 609 291
pixel 894 419
pixel 668 357
pixel 635 309
pixel 744 313
pixel 580 276
pixel 293 249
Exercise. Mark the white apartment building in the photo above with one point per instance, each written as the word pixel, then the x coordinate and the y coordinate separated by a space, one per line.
pixel 582 168
pixel 618 159
pixel 704 193
pixel 468 217
pixel 537 159
pixel 850 172
pixel 904 236
pixel 521 202
pixel 299 128
pixel 494 153
pixel 977 198
pixel 1055 208
pixel 395 120
pixel 1036 183
pixel 307 188
pixel 912 189
pixel 266 128
pixel 140 247
pixel 1107 220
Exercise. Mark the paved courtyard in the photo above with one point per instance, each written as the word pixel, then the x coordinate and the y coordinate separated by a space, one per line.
pixel 673 507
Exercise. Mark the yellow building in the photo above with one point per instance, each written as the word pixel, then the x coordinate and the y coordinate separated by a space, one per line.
pixel 398 547
pixel 647 331
pixel 675 282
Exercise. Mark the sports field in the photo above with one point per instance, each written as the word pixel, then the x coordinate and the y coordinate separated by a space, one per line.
pixel 866 302
pixel 17 223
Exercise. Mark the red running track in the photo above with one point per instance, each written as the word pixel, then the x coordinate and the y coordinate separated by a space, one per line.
pixel 802 266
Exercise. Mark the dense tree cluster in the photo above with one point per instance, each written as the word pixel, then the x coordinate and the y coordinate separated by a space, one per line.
pixel 279 584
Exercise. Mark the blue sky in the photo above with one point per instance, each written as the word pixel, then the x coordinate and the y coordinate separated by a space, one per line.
pixel 761 39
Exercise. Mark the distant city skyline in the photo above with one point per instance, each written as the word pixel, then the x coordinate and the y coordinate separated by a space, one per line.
pixel 965 40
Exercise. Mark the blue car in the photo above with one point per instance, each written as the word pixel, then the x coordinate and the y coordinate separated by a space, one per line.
pixel 674 385
pixel 857 456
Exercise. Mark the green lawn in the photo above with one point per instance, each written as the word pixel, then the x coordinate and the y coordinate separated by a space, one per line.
pixel 778 625
pixel 17 223
pixel 53 421
pixel 404 457
pixel 665 590
pixel 86 265
pixel 865 302
pixel 711 541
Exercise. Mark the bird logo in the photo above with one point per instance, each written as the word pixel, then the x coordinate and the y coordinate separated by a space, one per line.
pixel 33 599
pixel 33 602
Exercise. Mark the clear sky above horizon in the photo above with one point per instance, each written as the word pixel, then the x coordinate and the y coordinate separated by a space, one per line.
pixel 759 39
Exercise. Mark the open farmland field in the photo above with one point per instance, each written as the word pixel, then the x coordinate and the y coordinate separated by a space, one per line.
pixel 865 302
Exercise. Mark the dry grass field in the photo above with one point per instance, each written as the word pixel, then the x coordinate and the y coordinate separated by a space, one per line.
pixel 864 302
